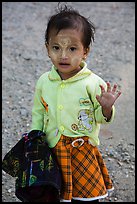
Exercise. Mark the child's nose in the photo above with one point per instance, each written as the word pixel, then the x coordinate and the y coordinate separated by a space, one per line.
pixel 64 55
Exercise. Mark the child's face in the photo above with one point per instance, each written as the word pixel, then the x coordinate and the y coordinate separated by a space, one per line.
pixel 66 51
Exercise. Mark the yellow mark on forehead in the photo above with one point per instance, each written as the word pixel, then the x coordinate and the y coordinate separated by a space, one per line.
pixel 64 41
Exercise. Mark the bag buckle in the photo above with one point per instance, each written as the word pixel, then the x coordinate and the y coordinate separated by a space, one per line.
pixel 78 140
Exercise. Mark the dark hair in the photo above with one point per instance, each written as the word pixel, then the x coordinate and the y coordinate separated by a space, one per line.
pixel 67 17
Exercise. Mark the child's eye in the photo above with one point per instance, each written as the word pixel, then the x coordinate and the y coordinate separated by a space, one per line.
pixel 55 47
pixel 72 49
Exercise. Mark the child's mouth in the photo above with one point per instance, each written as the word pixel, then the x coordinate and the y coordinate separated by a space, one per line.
pixel 63 65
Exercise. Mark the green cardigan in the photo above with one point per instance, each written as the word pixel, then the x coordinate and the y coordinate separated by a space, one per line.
pixel 68 107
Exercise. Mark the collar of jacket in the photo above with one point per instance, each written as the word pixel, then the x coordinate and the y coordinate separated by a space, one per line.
pixel 84 72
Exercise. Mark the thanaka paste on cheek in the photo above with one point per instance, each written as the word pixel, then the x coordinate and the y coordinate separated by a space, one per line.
pixel 75 60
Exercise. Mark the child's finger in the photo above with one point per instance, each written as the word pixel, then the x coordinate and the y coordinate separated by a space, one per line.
pixel 98 98
pixel 114 88
pixel 108 87
pixel 102 89
pixel 118 94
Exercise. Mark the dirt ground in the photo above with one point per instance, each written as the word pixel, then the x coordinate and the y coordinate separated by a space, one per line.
pixel 112 56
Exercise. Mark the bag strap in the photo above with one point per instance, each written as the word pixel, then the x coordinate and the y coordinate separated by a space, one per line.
pixel 33 134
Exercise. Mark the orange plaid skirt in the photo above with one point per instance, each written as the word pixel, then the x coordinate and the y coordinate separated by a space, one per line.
pixel 85 175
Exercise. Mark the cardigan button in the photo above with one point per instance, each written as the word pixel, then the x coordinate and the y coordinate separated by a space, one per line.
pixel 62 85
pixel 60 107
pixel 62 128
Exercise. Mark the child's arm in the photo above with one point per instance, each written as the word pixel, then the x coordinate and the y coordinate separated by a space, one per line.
pixel 38 111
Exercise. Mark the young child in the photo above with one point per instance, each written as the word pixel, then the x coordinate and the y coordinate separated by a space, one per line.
pixel 70 103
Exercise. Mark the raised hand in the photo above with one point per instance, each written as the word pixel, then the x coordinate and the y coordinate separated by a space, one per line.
pixel 108 98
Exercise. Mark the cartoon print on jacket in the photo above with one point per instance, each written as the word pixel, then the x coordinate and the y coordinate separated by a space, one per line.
pixel 85 117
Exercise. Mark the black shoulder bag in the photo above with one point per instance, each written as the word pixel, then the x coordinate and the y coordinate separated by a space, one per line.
pixel 32 162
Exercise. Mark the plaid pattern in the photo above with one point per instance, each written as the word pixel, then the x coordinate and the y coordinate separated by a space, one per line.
pixel 84 172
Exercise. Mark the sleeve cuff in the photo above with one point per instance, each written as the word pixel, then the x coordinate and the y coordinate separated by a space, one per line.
pixel 112 116
pixel 100 118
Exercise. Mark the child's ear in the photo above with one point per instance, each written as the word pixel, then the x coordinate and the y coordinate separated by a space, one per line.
pixel 86 52
pixel 47 46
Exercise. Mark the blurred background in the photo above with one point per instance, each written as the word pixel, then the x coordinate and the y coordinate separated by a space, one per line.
pixel 112 56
